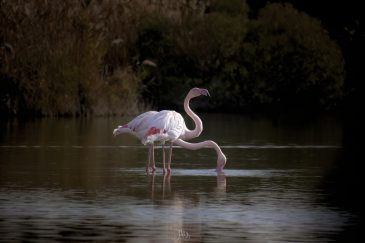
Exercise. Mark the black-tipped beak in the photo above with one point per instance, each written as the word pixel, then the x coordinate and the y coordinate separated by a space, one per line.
pixel 205 92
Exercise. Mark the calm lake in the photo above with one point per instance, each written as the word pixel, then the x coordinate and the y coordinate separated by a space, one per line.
pixel 71 180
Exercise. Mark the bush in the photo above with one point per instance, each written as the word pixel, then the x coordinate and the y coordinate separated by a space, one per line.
pixel 190 52
pixel 282 58
pixel 60 51
pixel 87 57
pixel 119 94
pixel 292 60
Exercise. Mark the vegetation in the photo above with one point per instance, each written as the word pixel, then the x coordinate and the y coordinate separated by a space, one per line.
pixel 111 57
pixel 292 60
pixel 59 56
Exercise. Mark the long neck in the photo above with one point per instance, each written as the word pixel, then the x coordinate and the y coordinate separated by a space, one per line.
pixel 196 146
pixel 205 144
pixel 189 134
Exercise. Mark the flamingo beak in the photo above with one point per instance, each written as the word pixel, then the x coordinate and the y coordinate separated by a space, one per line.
pixel 204 92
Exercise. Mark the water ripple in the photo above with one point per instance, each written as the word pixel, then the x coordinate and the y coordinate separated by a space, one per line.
pixel 265 146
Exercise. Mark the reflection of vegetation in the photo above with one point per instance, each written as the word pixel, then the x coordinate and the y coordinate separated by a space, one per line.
pixel 83 57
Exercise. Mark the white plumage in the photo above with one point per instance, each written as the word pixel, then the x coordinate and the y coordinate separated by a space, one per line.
pixel 169 126
pixel 165 125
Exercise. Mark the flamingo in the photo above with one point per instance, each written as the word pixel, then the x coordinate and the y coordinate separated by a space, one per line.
pixel 170 126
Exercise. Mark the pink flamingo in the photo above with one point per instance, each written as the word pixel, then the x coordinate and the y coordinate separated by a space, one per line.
pixel 170 126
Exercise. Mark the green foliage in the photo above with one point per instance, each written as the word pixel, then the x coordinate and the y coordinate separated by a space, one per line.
pixel 60 48
pixel 155 42
pixel 293 61
pixel 191 52
pixel 119 94
pixel 229 7
pixel 91 57
pixel 282 58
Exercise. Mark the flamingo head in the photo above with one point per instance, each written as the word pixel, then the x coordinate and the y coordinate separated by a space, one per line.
pixel 221 162
pixel 195 92
pixel 119 130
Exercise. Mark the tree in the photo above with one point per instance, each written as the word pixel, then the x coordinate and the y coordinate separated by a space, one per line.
pixel 292 60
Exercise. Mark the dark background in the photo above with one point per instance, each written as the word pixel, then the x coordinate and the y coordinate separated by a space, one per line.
pixel 344 20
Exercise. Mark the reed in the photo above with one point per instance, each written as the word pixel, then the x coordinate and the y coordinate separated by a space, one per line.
pixel 89 57
pixel 61 54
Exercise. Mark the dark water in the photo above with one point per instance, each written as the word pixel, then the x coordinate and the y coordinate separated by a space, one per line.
pixel 71 180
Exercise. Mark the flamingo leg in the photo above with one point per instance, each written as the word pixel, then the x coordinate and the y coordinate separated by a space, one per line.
pixel 153 158
pixel 149 158
pixel 170 157
pixel 163 158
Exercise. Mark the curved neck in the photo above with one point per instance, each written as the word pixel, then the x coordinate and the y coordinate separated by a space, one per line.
pixel 189 134
pixel 205 144
pixel 200 145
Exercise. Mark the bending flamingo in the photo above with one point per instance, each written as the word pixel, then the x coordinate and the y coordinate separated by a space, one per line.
pixel 170 126
pixel 141 125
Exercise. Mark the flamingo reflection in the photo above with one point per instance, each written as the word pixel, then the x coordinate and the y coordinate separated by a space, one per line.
pixel 177 230
pixel 166 186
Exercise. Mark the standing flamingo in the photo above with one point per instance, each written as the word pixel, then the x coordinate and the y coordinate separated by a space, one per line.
pixel 170 126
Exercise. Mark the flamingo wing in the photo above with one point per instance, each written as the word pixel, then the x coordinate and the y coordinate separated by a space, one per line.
pixel 141 121
pixel 140 124
pixel 165 126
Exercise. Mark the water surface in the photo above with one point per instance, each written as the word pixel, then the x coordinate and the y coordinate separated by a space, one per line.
pixel 71 180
